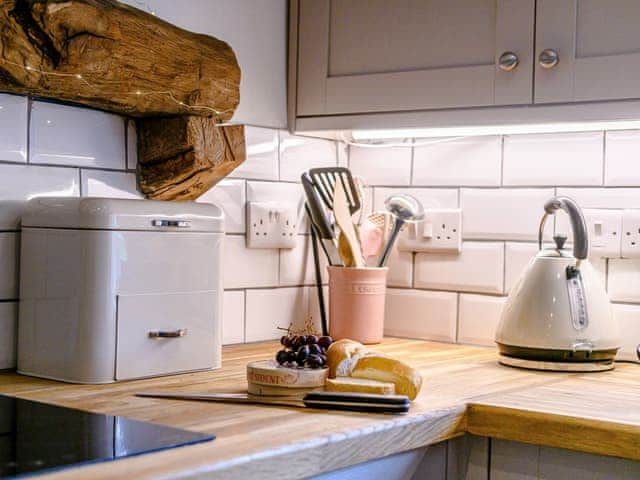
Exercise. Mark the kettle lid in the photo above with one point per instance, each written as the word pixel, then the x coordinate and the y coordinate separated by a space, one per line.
pixel 558 251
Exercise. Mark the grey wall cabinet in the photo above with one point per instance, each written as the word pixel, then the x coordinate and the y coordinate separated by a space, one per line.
pixel 371 58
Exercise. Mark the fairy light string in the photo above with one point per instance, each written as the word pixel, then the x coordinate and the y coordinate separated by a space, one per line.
pixel 168 94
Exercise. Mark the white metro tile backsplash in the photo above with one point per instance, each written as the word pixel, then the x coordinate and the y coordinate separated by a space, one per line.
pixel 233 317
pixel 381 166
pixel 478 268
pixel 628 317
pixel 13 128
pixel 64 135
pixel 421 314
pixel 262 155
pixel 503 214
pixel 501 184
pixel 474 161
pixel 101 183
pixel 478 318
pixel 299 154
pixel 19 183
pixel 230 195
pixel 553 159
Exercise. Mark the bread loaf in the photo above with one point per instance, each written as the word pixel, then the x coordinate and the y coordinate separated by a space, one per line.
pixel 338 356
pixel 374 366
pixel 359 385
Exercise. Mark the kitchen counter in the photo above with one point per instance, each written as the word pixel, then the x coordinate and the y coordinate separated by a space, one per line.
pixel 465 390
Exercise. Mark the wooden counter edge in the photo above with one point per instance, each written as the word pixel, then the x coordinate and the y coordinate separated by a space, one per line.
pixel 553 430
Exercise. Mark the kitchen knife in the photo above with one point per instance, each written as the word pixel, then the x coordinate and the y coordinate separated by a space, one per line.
pixel 355 402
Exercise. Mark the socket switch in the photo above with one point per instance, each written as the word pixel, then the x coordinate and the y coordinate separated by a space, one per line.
pixel 272 225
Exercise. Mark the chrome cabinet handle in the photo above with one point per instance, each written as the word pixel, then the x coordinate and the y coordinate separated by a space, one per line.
pixel 168 334
pixel 548 58
pixel 508 61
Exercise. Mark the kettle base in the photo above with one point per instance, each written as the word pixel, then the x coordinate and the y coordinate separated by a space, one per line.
pixel 554 366
pixel 557 355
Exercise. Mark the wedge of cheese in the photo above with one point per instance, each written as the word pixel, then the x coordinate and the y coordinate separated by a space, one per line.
pixel 359 385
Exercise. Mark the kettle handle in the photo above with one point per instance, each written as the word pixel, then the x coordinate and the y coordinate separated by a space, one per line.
pixel 578 224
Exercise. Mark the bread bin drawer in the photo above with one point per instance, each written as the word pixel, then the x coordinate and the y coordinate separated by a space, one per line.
pixel 165 333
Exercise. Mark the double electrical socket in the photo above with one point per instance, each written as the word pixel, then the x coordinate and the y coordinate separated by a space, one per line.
pixel 441 231
pixel 612 233
pixel 272 225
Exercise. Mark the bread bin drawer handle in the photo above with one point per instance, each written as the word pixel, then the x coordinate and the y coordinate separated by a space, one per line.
pixel 168 334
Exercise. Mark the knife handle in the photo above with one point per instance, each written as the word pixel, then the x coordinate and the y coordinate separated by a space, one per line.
pixel 357 402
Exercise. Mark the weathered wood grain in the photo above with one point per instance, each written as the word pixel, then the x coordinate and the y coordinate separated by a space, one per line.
pixel 285 443
pixel 107 55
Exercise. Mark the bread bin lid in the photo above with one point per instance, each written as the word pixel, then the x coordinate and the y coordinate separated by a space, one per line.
pixel 122 214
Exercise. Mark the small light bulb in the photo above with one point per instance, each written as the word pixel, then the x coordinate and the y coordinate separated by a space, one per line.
pixel 29 68
pixel 153 13
pixel 78 76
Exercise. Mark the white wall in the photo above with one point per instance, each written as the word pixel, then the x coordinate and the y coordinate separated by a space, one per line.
pixel 257 32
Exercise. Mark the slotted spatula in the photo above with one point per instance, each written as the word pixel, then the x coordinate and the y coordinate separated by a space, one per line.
pixel 325 180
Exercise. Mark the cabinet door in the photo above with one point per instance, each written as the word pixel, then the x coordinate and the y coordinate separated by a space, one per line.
pixel 379 56
pixel 598 47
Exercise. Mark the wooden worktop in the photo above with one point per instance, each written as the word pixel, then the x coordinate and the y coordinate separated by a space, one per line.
pixel 465 390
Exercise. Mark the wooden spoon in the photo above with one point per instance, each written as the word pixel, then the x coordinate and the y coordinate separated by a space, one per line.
pixel 348 229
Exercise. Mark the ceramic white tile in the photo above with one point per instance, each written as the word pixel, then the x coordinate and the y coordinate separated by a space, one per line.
pixel 420 314
pixel 622 167
pixel 624 280
pixel 514 461
pixel 343 154
pixel 478 268
pixel 132 145
pixel 600 266
pixel 503 214
pixel 299 154
pixel 517 257
pixel 270 309
pixel 478 319
pixel 603 197
pixel 64 135
pixel 19 183
pixel 314 308
pixel 98 183
pixel 262 155
pixel 233 317
pixel 558 463
pixel 279 192
pixel 230 195
pixel 8 334
pixel 473 161
pixel 9 265
pixel 248 267
pixel 553 159
pixel 13 128
pixel 296 264
pixel 381 166
pixel 628 317
pixel 429 197
pixel 400 269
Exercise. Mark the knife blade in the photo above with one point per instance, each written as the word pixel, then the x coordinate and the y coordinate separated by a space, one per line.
pixel 356 402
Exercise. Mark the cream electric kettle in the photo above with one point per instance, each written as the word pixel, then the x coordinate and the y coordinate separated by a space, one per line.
pixel 559 310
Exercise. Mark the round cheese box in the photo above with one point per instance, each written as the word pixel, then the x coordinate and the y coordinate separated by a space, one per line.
pixel 269 373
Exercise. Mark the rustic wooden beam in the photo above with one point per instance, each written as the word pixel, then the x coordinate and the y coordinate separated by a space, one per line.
pixel 107 55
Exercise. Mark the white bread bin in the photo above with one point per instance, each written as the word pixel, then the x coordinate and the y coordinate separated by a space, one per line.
pixel 115 289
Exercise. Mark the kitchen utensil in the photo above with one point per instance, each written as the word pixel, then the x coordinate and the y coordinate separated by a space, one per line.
pixel 320 221
pixel 325 180
pixel 404 209
pixel 371 239
pixel 356 402
pixel 318 274
pixel 559 311
pixel 356 303
pixel 343 219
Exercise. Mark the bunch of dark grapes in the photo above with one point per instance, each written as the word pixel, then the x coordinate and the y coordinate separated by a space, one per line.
pixel 303 351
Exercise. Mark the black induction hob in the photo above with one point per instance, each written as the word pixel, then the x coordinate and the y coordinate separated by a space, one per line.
pixel 36 437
